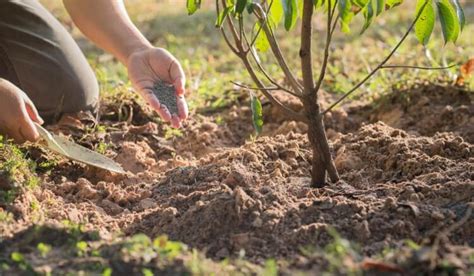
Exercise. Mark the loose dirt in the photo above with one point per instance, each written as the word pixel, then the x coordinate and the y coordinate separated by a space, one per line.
pixel 213 188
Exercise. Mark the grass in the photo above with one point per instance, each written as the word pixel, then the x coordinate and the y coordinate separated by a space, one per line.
pixel 16 171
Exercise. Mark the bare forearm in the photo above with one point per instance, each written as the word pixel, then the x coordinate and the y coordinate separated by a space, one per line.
pixel 107 24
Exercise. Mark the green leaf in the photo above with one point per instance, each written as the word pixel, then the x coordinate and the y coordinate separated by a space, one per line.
pixel 318 3
pixel 460 13
pixel 329 2
pixel 368 12
pixel 261 42
pixel 193 6
pixel 276 12
pixel 425 24
pixel 392 3
pixel 380 6
pixel 346 14
pixel 240 6
pixel 290 9
pixel 257 113
pixel 360 3
pixel 449 22
pixel 221 17
pixel 17 257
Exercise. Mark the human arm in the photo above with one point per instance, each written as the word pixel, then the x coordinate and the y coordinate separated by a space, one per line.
pixel 107 24
pixel 17 114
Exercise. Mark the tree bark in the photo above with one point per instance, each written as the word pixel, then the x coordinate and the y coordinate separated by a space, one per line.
pixel 322 160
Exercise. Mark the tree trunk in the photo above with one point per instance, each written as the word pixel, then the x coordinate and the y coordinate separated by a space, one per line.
pixel 322 161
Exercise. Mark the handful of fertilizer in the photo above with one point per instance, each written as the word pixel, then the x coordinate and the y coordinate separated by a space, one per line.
pixel 166 94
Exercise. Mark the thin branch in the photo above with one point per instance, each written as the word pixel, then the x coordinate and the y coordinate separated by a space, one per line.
pixel 232 48
pixel 254 39
pixel 261 15
pixel 244 57
pixel 229 44
pixel 262 69
pixel 255 88
pixel 291 113
pixel 364 80
pixel 329 32
pixel 241 26
pixel 418 67
pixel 276 88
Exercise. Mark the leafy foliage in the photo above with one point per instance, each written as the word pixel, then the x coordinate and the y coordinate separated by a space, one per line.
pixel 450 14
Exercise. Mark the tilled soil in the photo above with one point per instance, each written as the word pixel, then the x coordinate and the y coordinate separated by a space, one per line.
pixel 214 189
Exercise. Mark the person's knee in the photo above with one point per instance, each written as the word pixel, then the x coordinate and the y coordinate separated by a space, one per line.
pixel 80 91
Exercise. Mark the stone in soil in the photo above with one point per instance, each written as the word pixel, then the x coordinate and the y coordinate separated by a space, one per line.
pixel 166 94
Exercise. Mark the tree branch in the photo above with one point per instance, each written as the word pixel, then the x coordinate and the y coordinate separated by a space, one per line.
pixel 241 53
pixel 262 17
pixel 329 32
pixel 276 88
pixel 381 65
pixel 418 67
pixel 262 70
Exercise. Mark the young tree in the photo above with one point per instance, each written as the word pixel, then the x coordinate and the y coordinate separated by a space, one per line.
pixel 268 14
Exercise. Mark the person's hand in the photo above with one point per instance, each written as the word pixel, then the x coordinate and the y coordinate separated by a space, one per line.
pixel 17 114
pixel 148 66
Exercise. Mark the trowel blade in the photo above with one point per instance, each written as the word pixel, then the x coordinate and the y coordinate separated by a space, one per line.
pixel 78 153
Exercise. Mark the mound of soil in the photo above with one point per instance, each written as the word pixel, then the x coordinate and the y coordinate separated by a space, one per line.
pixel 395 186
pixel 426 110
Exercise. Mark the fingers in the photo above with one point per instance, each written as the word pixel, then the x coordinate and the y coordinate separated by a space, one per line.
pixel 179 85
pixel 24 131
pixel 177 75
pixel 155 104
pixel 182 107
pixel 175 121
pixel 27 129
pixel 32 112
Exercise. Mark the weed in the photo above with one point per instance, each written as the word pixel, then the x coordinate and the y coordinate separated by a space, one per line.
pixel 102 147
pixel 271 268
pixel 20 260
pixel 81 248
pixel 147 272
pixel 107 272
pixel 16 172
pixel 43 249
pixel 172 132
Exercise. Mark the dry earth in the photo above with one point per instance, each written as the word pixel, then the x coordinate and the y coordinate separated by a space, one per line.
pixel 406 164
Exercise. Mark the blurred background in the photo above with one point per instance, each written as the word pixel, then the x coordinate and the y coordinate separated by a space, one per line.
pixel 210 65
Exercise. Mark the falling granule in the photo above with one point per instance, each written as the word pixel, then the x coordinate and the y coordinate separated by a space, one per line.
pixel 166 94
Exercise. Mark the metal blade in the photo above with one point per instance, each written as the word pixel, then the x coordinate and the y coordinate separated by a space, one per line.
pixel 78 153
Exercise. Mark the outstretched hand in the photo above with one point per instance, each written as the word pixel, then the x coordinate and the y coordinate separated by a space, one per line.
pixel 146 67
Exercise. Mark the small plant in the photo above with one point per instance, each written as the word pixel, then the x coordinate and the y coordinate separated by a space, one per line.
pixel 16 171
pixel 43 249
pixel 266 15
